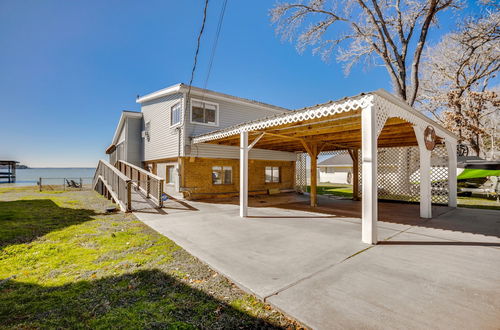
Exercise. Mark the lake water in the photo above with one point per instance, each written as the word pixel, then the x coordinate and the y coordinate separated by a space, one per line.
pixel 30 176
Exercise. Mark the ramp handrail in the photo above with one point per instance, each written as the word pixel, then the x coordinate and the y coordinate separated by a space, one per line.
pixel 149 183
pixel 117 184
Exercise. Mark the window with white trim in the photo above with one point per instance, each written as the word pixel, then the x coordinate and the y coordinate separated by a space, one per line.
pixel 272 174
pixel 222 175
pixel 175 114
pixel 204 112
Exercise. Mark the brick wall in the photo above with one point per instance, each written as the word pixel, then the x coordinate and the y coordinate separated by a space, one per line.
pixel 196 176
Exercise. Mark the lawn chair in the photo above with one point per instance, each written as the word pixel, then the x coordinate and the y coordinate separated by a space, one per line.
pixel 68 183
pixel 75 185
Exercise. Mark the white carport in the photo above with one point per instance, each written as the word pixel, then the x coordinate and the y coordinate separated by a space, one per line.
pixel 364 122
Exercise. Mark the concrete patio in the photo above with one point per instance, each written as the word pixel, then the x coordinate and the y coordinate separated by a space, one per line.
pixel 425 273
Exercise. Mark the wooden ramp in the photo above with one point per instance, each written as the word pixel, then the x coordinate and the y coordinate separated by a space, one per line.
pixel 117 183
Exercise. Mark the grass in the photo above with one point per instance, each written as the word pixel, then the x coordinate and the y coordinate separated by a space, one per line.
pixel 475 201
pixel 65 263
pixel 478 202
pixel 340 190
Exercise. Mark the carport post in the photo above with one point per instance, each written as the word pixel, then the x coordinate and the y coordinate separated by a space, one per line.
pixel 425 175
pixel 244 174
pixel 451 148
pixel 369 169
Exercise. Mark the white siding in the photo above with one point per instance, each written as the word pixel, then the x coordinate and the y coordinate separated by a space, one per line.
pixel 219 151
pixel 163 141
pixel 122 133
pixel 230 114
pixel 339 175
pixel 171 189
pixel 134 141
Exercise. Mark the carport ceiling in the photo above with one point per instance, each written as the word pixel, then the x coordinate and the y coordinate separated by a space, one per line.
pixel 335 125
pixel 339 131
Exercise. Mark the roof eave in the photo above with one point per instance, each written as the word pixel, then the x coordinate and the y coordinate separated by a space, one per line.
pixel 121 122
pixel 181 88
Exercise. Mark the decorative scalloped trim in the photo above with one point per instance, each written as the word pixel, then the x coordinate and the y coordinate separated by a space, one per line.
pixel 383 108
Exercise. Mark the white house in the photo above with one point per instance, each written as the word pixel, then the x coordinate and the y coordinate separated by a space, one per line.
pixel 336 169
pixel 159 139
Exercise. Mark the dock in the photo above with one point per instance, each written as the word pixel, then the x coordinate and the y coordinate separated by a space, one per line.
pixel 10 175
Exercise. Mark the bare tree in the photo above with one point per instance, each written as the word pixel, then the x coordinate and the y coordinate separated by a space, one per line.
pixel 393 32
pixel 456 74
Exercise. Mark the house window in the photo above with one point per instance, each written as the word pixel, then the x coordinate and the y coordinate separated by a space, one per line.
pixel 170 175
pixel 272 174
pixel 175 114
pixel 222 175
pixel 204 112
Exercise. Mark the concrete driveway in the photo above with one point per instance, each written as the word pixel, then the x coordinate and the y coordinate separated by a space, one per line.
pixel 439 273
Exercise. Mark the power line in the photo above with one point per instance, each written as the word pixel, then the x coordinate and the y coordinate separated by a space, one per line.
pixel 198 47
pixel 216 40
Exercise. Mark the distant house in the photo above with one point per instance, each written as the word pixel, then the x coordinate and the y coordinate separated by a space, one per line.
pixel 336 169
pixel 159 139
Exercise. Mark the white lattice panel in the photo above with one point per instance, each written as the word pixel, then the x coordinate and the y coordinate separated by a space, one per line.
pixel 439 175
pixel 398 173
pixel 301 172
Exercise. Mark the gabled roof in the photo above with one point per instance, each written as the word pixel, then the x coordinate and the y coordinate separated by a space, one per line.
pixel 337 160
pixel 181 88
pixel 125 114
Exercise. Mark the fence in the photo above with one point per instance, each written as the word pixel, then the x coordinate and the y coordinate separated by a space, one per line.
pixel 68 183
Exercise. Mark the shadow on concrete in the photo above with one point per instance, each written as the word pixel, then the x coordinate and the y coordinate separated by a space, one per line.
pixel 474 221
pixel 146 299
pixel 184 205
pixel 23 221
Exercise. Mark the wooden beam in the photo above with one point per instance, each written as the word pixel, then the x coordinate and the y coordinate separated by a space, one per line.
pixel 255 141
pixel 314 174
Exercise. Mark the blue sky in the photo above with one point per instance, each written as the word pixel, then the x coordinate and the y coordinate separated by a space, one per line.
pixel 68 68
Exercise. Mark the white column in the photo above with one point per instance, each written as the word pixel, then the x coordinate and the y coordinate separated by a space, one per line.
pixel 369 169
pixel 451 147
pixel 425 175
pixel 244 174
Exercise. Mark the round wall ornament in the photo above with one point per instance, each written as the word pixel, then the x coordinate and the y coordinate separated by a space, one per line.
pixel 430 138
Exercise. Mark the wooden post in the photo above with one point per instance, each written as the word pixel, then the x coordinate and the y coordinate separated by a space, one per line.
pixel 369 207
pixel 355 173
pixel 243 174
pixel 314 174
pixel 425 175
pixel 40 184
pixel 148 186
pixel 129 196
pixel 451 147
pixel 160 193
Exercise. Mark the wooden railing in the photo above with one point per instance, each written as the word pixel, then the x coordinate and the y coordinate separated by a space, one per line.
pixel 108 180
pixel 151 185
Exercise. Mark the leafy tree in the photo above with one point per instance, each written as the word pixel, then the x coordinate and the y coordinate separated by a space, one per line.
pixel 391 32
pixel 456 75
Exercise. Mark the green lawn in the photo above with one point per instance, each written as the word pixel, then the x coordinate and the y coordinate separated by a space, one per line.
pixel 65 263
pixel 340 190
